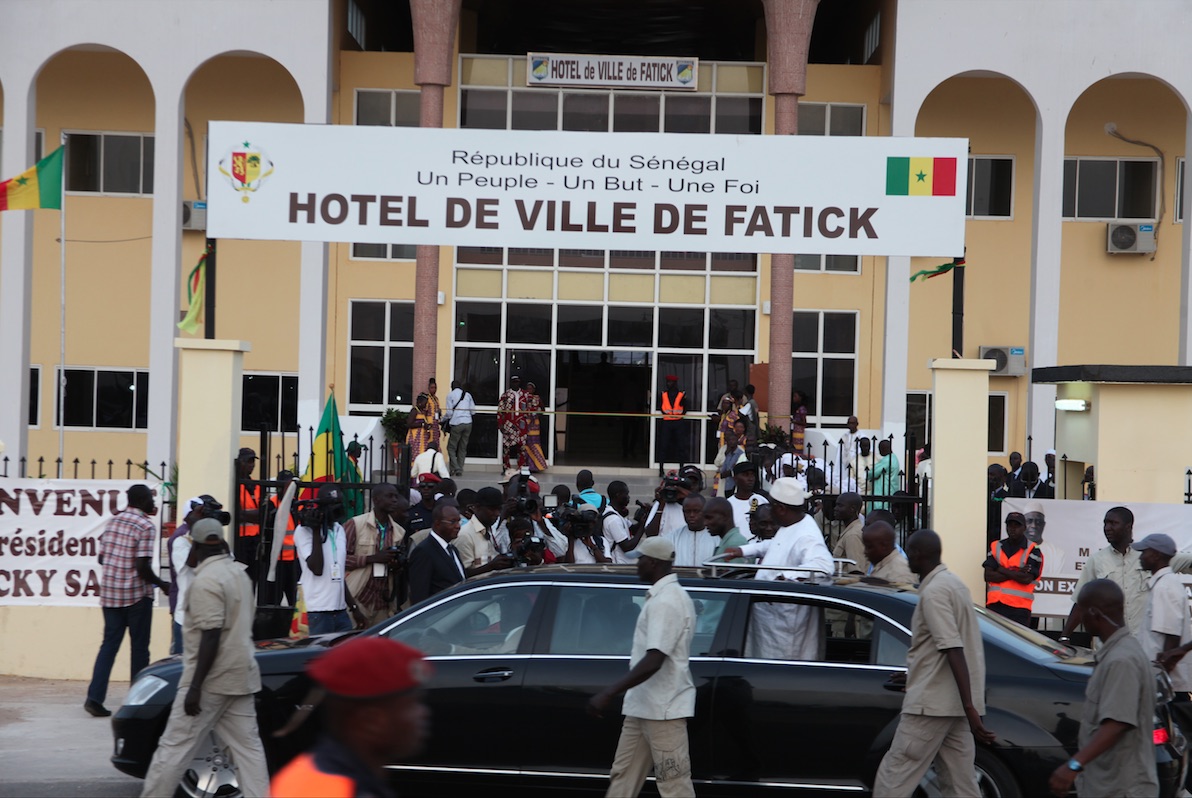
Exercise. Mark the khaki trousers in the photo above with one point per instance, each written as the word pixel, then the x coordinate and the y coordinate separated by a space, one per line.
pixel 234 718
pixel 661 744
pixel 921 740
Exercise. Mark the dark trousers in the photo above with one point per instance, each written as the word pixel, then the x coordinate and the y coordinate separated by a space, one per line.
pixel 1017 614
pixel 137 619
pixel 672 442
pixel 245 551
pixel 286 586
pixel 324 623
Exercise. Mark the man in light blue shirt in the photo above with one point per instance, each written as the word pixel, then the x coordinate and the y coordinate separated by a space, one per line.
pixel 460 407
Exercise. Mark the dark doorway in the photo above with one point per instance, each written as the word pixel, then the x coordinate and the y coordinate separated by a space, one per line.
pixel 598 383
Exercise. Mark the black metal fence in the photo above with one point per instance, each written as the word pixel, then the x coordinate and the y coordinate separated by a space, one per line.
pixel 58 468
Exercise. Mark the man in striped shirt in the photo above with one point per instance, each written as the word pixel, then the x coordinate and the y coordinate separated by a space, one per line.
pixel 126 550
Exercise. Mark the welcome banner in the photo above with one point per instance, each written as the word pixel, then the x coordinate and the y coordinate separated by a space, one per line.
pixel 1072 531
pixel 559 189
pixel 49 538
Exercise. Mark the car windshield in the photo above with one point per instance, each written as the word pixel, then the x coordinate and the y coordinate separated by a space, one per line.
pixel 1025 641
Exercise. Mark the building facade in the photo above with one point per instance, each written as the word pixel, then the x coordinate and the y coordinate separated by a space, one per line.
pixel 1071 137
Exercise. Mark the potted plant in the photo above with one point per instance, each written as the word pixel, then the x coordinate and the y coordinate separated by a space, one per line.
pixel 773 435
pixel 394 423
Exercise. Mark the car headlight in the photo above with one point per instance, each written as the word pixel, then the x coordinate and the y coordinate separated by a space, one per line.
pixel 143 689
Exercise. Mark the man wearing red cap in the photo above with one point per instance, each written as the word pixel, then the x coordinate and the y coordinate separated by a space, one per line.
pixel 219 673
pixel 374 716
pixel 419 515
pixel 673 405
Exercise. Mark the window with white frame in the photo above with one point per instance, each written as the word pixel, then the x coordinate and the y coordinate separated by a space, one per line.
pixel 386 108
pixel 918 417
pixel 824 363
pixel 843 264
pixel 1110 188
pixel 109 163
pixel 269 402
pixel 998 408
pixel 990 187
pixel 380 354
pixel 1179 190
pixel 96 398
pixel 34 396
pixel 831 119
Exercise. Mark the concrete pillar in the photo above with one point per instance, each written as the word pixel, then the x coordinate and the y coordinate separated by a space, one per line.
pixel 1046 251
pixel 16 271
pixel 166 268
pixel 894 349
pixel 958 452
pixel 210 384
pixel 435 23
pixel 1185 356
pixel 788 39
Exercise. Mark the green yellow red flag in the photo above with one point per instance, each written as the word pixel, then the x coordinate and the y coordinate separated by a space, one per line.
pixel 920 177
pixel 196 282
pixel 329 462
pixel 39 186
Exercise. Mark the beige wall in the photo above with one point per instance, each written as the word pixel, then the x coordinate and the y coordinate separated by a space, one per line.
pixel 1098 290
pixel 61 642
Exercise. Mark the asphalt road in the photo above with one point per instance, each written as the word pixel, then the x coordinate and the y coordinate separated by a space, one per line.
pixel 50 747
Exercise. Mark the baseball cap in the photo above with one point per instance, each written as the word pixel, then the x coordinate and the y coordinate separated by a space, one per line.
pixel 1016 518
pixel 192 505
pixel 1157 541
pixel 656 547
pixel 247 454
pixel 206 530
pixel 370 667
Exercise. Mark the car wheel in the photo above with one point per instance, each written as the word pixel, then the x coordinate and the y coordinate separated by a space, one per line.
pixel 993 779
pixel 212 773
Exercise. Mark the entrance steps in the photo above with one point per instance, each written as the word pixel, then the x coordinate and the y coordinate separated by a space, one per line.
pixel 641 481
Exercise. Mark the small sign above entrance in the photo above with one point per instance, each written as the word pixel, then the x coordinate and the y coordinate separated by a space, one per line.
pixel 612 71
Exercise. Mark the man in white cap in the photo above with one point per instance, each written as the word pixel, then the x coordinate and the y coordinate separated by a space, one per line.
pixel 661 692
pixel 781 630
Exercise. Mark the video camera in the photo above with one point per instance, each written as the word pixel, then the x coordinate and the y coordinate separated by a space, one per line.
pixel 576 523
pixel 213 509
pixel 326 509
pixel 526 504
pixel 671 485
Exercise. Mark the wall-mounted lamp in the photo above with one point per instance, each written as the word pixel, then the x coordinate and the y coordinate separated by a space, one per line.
pixel 1073 405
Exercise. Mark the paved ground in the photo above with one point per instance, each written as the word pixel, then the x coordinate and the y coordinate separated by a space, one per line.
pixel 50 747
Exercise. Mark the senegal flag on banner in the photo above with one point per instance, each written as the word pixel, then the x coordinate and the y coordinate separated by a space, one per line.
pixel 39 186
pixel 329 462
pixel 921 177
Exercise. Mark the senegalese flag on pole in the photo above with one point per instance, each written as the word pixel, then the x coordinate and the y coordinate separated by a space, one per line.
pixel 329 461
pixel 196 283
pixel 39 186
pixel 920 177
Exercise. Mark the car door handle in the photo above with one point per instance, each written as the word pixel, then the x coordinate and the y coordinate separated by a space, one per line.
pixel 493 675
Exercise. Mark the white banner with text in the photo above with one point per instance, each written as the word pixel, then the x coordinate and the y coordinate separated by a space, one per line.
pixel 49 538
pixel 1071 531
pixel 553 189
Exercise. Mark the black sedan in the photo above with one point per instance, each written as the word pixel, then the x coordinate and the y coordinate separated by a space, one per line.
pixel 517 656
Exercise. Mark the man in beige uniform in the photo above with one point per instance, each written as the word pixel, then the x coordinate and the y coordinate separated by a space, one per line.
pixel 219 673
pixel 373 540
pixel 945 684
pixel 849 545
pixel 661 693
pixel 1119 563
pixel 888 563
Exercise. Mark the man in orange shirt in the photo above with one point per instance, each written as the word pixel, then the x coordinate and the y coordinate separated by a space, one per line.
pixel 248 499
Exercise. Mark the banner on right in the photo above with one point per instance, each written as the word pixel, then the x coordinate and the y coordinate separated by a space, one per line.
pixel 1071 532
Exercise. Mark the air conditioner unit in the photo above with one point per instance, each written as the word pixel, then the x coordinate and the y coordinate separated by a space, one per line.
pixel 1011 360
pixel 194 215
pixel 1136 237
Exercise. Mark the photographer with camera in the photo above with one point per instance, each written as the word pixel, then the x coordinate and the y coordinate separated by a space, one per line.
pixel 377 551
pixel 618 531
pixel 586 543
pixel 322 549
pixel 182 564
pixel 522 493
pixel 525 547
pixel 666 514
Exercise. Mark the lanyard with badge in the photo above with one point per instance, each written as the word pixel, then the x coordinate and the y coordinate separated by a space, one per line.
pixel 336 576
pixel 378 569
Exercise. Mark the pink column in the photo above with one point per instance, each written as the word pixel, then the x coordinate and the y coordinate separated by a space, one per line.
pixel 435 23
pixel 788 37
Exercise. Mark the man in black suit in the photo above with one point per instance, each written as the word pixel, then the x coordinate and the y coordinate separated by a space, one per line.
pixel 1029 486
pixel 434 565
